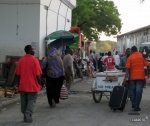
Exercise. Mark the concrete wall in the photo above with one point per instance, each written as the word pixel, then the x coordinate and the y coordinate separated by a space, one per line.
pixel 134 38
pixel 25 22
pixel 19 1
pixel 73 2
pixel 59 16
pixel 19 26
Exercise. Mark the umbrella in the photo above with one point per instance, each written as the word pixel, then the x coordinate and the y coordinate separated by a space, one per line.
pixel 74 45
pixel 62 38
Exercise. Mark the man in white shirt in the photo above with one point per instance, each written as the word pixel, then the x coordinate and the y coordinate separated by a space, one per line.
pixel 105 56
pixel 117 59
pixel 102 61
pixel 91 56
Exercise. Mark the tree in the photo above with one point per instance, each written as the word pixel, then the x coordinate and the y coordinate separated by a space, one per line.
pixel 105 46
pixel 95 16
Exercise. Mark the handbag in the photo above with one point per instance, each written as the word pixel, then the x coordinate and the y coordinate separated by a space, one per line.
pixel 63 92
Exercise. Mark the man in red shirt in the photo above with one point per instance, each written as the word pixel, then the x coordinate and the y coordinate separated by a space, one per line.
pixel 28 73
pixel 110 62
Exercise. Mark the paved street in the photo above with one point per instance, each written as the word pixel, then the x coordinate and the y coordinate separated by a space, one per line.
pixel 79 110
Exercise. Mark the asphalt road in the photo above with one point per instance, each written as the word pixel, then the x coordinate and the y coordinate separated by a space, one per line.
pixel 79 110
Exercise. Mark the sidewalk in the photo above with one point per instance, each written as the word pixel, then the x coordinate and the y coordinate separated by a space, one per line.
pixel 4 101
pixel 84 86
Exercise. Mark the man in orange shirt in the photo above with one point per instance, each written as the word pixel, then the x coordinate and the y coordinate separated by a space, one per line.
pixel 28 73
pixel 135 65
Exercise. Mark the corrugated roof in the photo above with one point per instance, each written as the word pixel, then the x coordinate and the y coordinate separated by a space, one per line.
pixel 133 31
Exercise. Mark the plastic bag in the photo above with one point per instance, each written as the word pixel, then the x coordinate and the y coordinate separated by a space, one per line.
pixel 63 92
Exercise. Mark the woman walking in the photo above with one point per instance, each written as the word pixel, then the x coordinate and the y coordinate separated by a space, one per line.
pixel 55 76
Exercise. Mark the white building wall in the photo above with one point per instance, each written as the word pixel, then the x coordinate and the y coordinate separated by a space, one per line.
pixel 24 22
pixel 19 26
pixel 73 2
pixel 69 19
pixel 59 18
pixel 42 31
pixel 19 1
pixel 63 17
pixel 134 38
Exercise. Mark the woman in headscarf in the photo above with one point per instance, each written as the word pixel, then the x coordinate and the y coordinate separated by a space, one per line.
pixel 55 76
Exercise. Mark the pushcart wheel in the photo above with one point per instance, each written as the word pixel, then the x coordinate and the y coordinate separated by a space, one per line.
pixel 93 74
pixel 121 109
pixel 110 93
pixel 127 99
pixel 97 96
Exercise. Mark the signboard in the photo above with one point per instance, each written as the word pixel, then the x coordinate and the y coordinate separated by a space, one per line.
pixel 34 45
pixel 107 83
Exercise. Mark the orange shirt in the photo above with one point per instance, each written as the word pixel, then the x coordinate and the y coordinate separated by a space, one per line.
pixel 28 68
pixel 136 63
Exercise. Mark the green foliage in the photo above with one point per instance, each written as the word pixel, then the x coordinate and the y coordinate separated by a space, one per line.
pixel 95 16
pixel 105 46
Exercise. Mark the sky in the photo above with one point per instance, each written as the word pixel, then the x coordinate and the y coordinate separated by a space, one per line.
pixel 133 14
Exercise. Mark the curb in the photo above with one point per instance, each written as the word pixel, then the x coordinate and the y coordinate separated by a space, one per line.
pixel 3 104
pixel 77 80
pixel 8 102
pixel 76 92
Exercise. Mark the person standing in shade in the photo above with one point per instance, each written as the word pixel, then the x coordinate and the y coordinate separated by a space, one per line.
pixel 91 56
pixel 135 67
pixel 95 60
pixel 55 76
pixel 124 59
pixel 69 70
pixel 28 74
pixel 117 59
pixel 102 61
pixel 122 66
pixel 77 68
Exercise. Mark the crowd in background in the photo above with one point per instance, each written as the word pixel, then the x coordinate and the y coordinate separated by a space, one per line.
pixel 104 61
pixel 56 69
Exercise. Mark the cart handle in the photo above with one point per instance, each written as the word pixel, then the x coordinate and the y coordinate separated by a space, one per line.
pixel 108 80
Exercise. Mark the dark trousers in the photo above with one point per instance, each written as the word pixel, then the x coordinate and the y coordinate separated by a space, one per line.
pixel 53 86
pixel 69 78
pixel 28 101
pixel 79 72
pixel 95 66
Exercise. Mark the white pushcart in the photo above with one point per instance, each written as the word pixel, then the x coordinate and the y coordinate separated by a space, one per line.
pixel 105 82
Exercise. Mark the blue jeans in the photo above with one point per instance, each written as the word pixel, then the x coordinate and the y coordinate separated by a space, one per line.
pixel 136 90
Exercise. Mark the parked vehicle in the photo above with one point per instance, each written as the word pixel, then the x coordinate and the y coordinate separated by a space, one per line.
pixel 145 50
pixel 87 68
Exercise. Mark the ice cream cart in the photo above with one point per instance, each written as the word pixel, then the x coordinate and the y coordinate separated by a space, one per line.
pixel 105 82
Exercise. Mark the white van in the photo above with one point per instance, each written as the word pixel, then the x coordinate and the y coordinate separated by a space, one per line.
pixel 145 50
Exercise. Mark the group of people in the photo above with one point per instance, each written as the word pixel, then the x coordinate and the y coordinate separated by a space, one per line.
pixel 56 70
pixel 106 61
pixel 28 75
pixel 133 63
